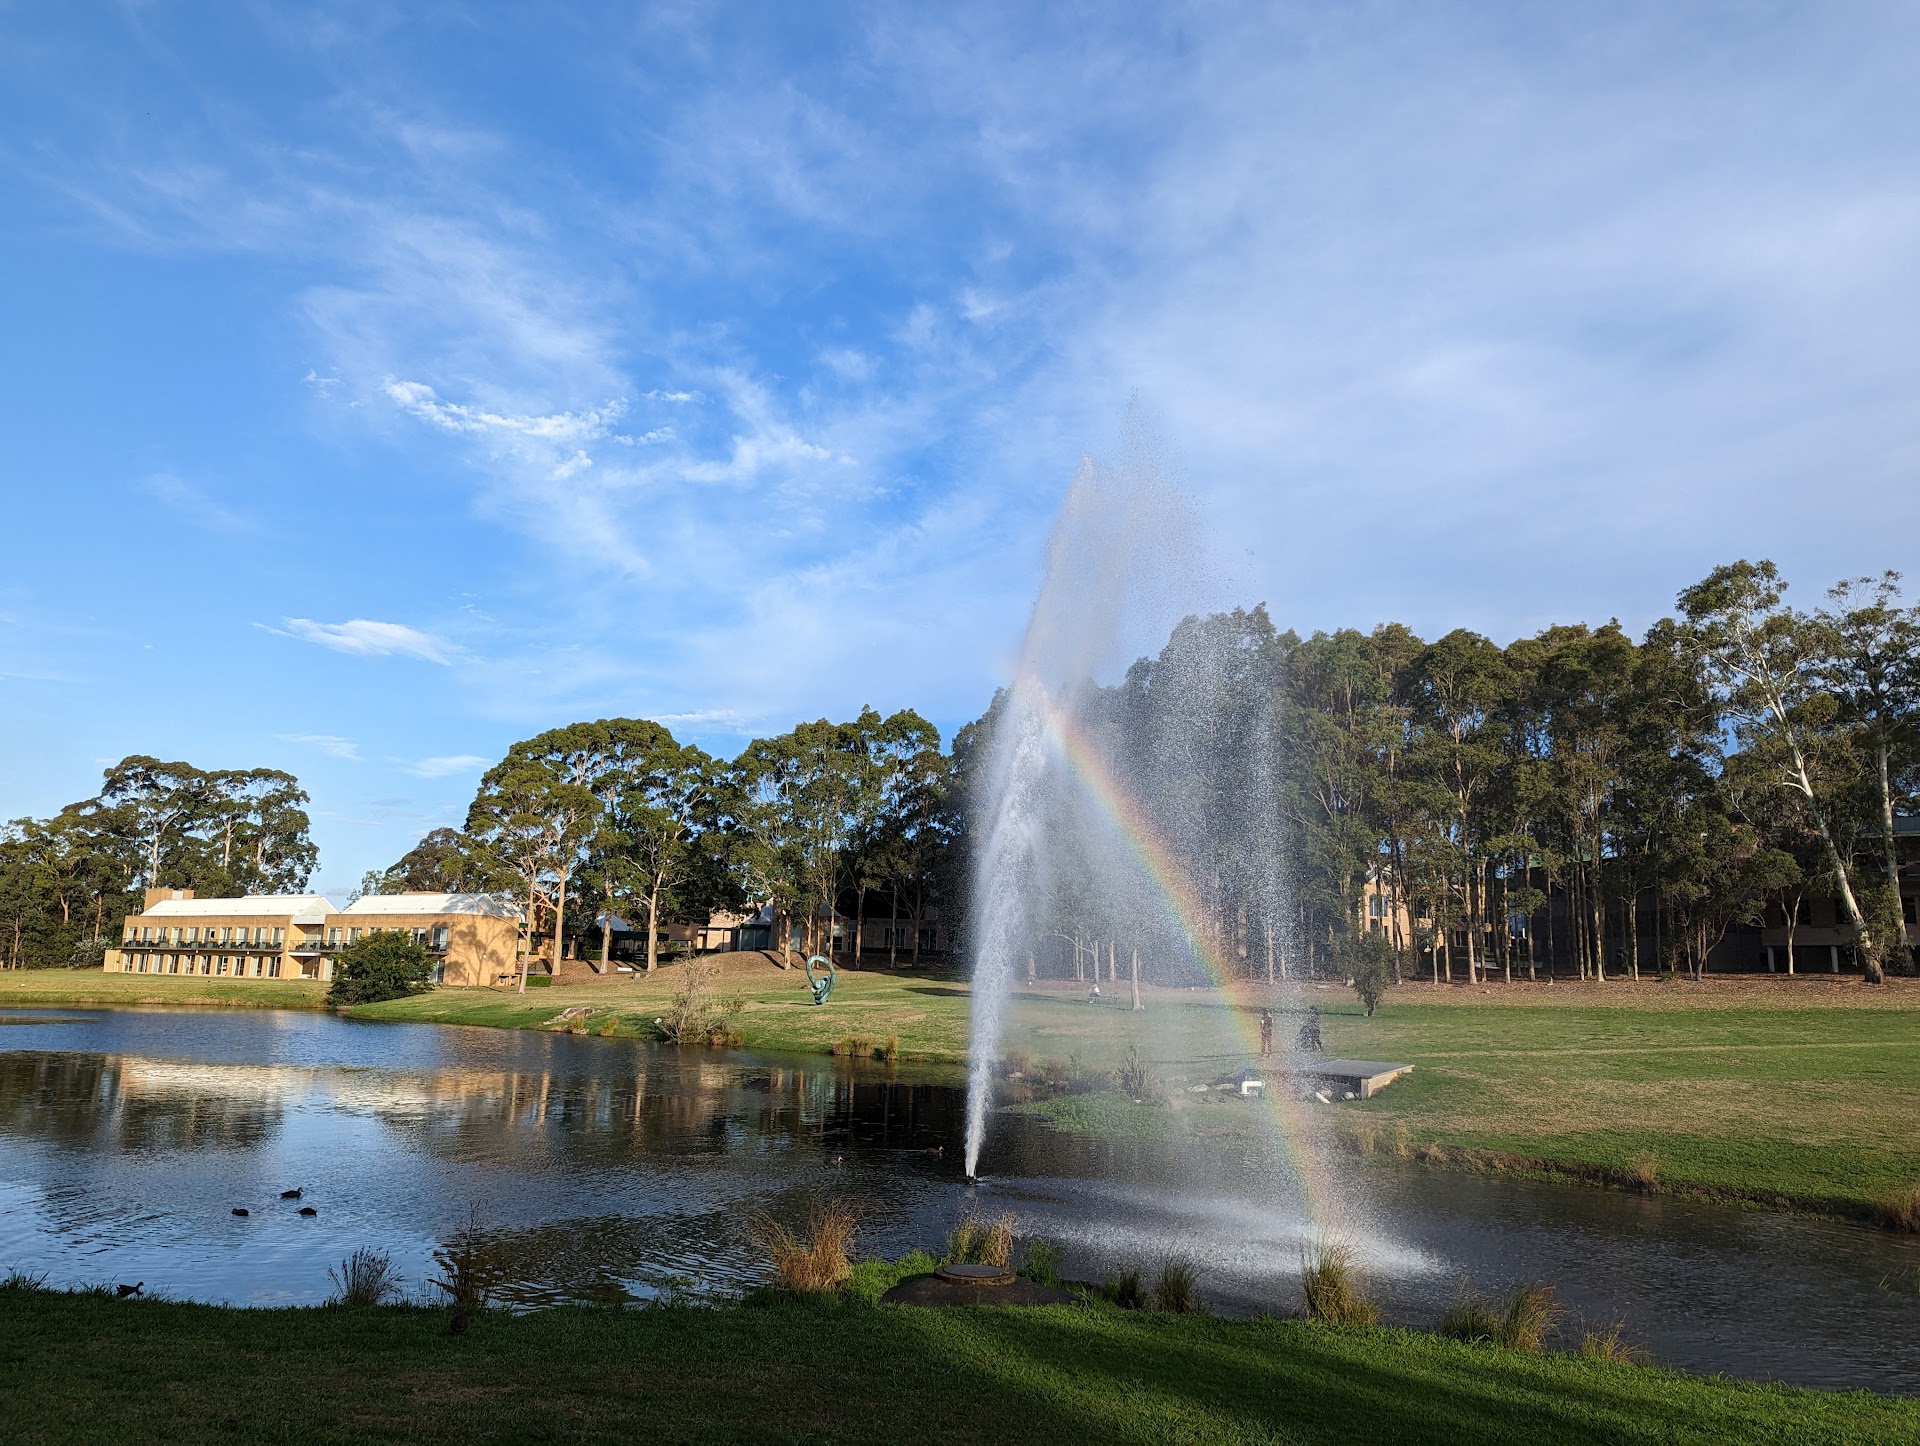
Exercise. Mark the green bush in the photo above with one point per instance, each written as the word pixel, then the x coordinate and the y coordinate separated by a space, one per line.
pixel 385 964
pixel 1368 959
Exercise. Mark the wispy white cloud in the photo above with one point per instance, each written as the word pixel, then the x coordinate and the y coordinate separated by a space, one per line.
pixel 450 764
pixel 193 503
pixel 365 637
pixel 328 743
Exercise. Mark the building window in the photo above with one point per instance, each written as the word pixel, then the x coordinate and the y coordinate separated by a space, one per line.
pixel 279 936
pixel 353 936
pixel 440 937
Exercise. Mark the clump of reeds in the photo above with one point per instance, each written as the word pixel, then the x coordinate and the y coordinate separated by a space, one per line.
pixel 1521 1323
pixel 858 1046
pixel 1174 1291
pixel 816 1261
pixel 1611 1345
pixel 366 1277
pixel 1015 1063
pixel 465 1279
pixel 18 1281
pixel 1365 1138
pixel 979 1241
pixel 1432 1154
pixel 1402 1141
pixel 1135 1079
pixel 1900 1207
pixel 1040 1262
pixel 1330 1286
pixel 1124 1290
pixel 1646 1171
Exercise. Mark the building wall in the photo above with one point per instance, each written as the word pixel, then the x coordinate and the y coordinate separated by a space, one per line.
pixel 208 945
pixel 479 948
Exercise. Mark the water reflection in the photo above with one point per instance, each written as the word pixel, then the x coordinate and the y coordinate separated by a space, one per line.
pixel 607 1170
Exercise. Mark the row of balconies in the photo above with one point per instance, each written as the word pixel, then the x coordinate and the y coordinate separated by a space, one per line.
pixel 295 946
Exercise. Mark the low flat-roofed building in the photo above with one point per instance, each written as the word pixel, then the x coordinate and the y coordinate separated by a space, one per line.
pixel 261 936
pixel 474 938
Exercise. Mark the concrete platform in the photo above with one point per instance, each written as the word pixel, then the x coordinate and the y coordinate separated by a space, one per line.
pixel 1364 1077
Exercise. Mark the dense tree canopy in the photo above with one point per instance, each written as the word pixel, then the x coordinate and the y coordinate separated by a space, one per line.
pixel 1579 798
pixel 66 882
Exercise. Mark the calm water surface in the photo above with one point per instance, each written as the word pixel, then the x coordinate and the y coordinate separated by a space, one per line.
pixel 613 1170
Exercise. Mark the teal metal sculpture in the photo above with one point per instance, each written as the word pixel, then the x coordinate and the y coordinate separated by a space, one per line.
pixel 823 986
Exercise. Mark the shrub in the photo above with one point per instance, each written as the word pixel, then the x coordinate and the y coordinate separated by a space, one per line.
pixel 1125 1291
pixel 1015 1062
pixel 816 1262
pixel 1040 1262
pixel 466 1277
pixel 366 1277
pixel 976 1241
pixel 384 964
pixel 1368 959
pixel 1330 1287
pixel 1136 1081
pixel 1173 1292
pixel 696 1014
pixel 89 954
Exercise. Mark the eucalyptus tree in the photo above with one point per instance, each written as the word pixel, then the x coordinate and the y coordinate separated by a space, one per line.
pixel 532 819
pixel 792 807
pixel 149 807
pixel 257 822
pixel 1456 686
pixel 1764 660
pixel 1868 657
pixel 657 798
pixel 443 862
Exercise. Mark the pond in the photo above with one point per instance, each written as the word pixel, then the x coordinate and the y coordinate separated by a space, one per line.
pixel 615 1170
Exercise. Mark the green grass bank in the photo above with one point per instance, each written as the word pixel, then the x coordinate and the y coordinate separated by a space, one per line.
pixel 89 1369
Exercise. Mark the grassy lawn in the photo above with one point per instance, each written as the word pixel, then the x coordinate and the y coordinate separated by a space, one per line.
pixel 75 988
pixel 1806 1098
pixel 88 1369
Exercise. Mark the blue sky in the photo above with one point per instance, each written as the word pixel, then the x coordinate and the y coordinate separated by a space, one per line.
pixel 384 384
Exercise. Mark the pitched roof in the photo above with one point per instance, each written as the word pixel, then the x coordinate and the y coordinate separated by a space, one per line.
pixel 487 904
pixel 295 908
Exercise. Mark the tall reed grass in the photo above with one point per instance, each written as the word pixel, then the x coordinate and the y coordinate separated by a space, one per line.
pixel 1330 1288
pixel 1900 1207
pixel 816 1261
pixel 979 1241
pixel 1174 1291
pixel 366 1277
pixel 1522 1322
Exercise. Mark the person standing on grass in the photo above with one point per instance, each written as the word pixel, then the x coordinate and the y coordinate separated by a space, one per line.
pixel 1309 1037
pixel 1266 1033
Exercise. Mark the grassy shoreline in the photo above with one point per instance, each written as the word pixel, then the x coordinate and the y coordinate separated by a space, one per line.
pixel 87 1368
pixel 1786 1093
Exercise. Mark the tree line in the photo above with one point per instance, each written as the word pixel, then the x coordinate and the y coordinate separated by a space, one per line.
pixel 66 882
pixel 1579 799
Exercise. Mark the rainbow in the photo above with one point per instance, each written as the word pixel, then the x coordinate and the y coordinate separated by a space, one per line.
pixel 1085 763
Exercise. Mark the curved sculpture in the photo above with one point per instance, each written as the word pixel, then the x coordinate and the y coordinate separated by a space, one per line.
pixel 823 986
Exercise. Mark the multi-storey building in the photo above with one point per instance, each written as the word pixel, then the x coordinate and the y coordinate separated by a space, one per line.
pixel 473 938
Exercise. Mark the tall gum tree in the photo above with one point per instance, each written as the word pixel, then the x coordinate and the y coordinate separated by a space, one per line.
pixel 1763 656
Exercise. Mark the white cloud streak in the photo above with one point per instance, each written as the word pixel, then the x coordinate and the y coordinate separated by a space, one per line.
pixel 328 743
pixel 366 638
pixel 449 765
